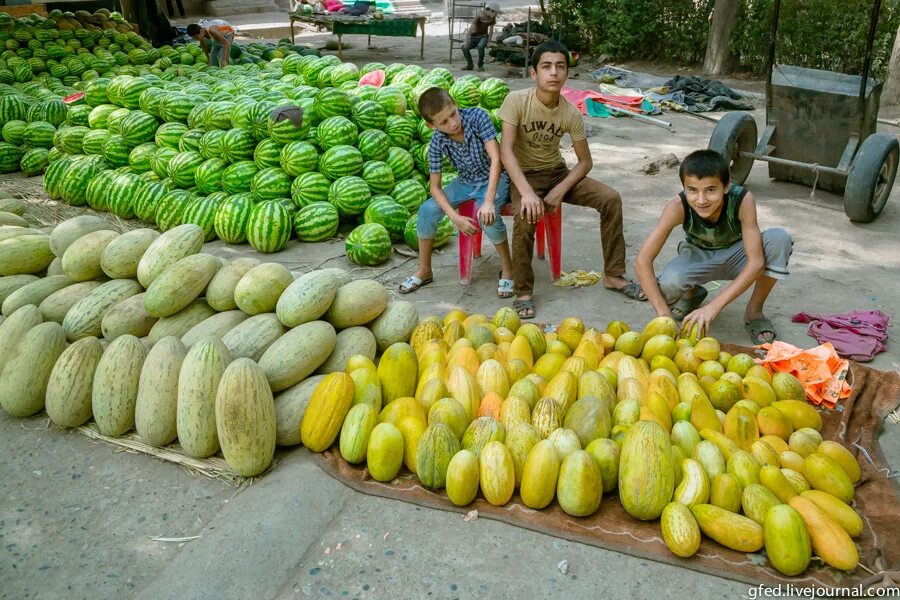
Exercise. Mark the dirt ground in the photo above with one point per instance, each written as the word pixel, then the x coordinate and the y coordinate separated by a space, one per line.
pixel 77 517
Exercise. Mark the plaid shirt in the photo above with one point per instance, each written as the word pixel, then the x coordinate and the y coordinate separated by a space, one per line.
pixel 469 157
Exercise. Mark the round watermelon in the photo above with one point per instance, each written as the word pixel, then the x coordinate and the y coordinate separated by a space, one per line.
pixel 374 144
pixel 269 227
pixel 123 194
pixel 270 183
pixel 309 188
pixel 399 130
pixel 202 212
pixel 116 151
pixel 332 102
pixel 97 194
pixel 368 114
pixel 316 222
pixel 14 132
pixel 385 211
pixel 237 145
pixel 298 158
pixel 465 93
pixel 343 73
pixel 379 176
pixel 34 161
pixel 114 120
pixel 392 99
pixel 39 134
pixel 443 234
pixel 140 158
pixel 148 199
pixel 238 176
pixel 170 210
pixel 190 140
pixel 183 166
pixel 232 217
pixel 368 245
pixel 336 131
pixel 493 92
pixel 160 162
pixel 401 163
pixel 350 195
pixel 341 161
pixel 208 176
pixel 410 194
pixel 211 144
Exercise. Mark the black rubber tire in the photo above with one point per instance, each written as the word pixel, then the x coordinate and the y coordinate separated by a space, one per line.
pixel 734 133
pixel 871 177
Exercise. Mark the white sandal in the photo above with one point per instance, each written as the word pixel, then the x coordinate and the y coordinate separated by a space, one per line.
pixel 505 287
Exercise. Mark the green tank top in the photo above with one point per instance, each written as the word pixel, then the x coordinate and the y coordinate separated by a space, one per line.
pixel 721 234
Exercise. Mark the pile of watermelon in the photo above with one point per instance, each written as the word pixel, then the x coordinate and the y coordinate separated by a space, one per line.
pixel 169 140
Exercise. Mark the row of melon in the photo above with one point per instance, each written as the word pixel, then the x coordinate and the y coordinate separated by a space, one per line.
pixel 461 413
pixel 172 319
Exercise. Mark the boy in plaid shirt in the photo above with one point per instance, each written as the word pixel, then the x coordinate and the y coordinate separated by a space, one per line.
pixel 468 138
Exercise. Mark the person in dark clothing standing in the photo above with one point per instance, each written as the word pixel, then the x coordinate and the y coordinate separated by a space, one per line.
pixel 478 37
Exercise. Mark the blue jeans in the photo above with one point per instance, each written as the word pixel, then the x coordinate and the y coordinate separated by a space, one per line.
pixel 217 51
pixel 458 192
pixel 480 42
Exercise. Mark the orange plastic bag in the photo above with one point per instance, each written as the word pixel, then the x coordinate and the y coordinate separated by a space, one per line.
pixel 821 371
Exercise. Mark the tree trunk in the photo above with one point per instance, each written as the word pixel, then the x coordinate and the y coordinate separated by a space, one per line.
pixel 718 55
pixel 891 93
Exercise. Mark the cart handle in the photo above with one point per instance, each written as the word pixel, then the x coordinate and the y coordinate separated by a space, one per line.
pixel 867 62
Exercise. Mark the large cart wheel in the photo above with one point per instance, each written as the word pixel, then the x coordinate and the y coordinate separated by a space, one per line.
pixel 871 177
pixel 735 133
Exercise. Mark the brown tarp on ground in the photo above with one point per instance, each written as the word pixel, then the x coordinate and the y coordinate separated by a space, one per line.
pixel 876 394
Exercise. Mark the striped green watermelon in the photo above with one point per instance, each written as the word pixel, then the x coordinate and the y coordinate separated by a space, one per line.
pixel 269 227
pixel 392 99
pixel 368 114
pixel 78 115
pixel 14 131
pixel 324 78
pixel 53 111
pixel 368 245
pixel 369 67
pixel 218 116
pixel 95 92
pixel 407 76
pixel 285 131
pixel 114 120
pixel 363 92
pixel 39 134
pixel 141 157
pixel 171 209
pixel 176 107
pixel 211 144
pixel 332 102
pixel 97 194
pixel 71 139
pixel 441 76
pixel 299 157
pixel 379 176
pixel 160 162
pixel 240 114
pixel 270 183
pixel 493 92
pixel 350 195
pixel 268 154
pixel 401 163
pixel 148 199
pixel 53 176
pixel 465 93
pixel 238 145
pixel 237 177
pixel 208 176
pixel 409 194
pixel 259 119
pixel 399 130
pixel 443 234
pixel 123 193
pixel 202 212
pixel 343 73
pixel 138 127
pixel 151 101
pixel 385 211
pixel 309 188
pixel 132 90
pixel 116 151
pixel 12 108
pixel 34 161
pixel 336 131
pixel 99 116
pixel 374 144
pixel 114 88
pixel 183 166
pixel 232 217
pixel 423 131
pixel 169 134
pixel 341 161
pixel 316 222
pixel 190 140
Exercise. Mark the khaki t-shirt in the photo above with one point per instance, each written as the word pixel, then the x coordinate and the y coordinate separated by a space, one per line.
pixel 540 128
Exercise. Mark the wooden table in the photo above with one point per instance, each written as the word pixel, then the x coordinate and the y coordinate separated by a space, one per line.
pixel 390 25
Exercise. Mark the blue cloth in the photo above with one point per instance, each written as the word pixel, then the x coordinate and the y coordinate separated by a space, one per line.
pixel 458 192
pixel 469 157
pixel 475 41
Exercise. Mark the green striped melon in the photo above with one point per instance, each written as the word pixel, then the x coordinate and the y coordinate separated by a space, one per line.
pixel 208 176
pixel 14 131
pixel 493 92
pixel 98 118
pixel 123 193
pixel 211 144
pixel 39 134
pixel 95 92
pixel 150 101
pixel 368 114
pixel 374 144
pixel 392 215
pixel 183 166
pixel 138 127
pixel 332 102
pixel 148 198
pixel 379 176
pixel 343 73
pixel 298 158
pixel 401 163
pixel 270 183
pixel 10 157
pixel 140 158
pixel 238 145
pixel 368 245
pixel 53 111
pixel 73 188
pixel 202 212
pixel 268 154
pixel 269 227
pixel 218 116
pixel 159 164
pixel 410 194
pixel 114 120
pixel 465 93
pixel 399 130
pixel 443 234
pixel 310 187
pixel 169 134
pixel 285 131
pixel 132 90
pixel 423 131
pixel 259 119
pixel 341 161
pixel 34 161
pixel 350 195
pixel 232 217
pixel 392 99
pixel 53 176
pixel 171 209
pixel 240 113
pixel 336 131
pixel 116 151
pixel 176 106
pixel 316 222
pixel 190 140
pixel 237 177
pixel 97 194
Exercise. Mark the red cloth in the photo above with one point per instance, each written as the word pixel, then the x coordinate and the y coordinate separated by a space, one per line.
pixel 579 97
pixel 858 335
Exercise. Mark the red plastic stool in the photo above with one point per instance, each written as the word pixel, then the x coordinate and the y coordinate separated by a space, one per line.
pixel 548 232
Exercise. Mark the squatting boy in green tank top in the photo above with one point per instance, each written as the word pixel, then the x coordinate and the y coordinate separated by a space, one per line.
pixel 722 242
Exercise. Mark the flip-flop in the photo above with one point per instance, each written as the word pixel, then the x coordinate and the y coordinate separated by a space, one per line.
pixel 631 291
pixel 504 286
pixel 686 306
pixel 413 283
pixel 521 306
pixel 759 326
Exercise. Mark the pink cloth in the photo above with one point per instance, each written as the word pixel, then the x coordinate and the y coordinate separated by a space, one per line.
pixel 333 5
pixel 858 335
pixel 580 97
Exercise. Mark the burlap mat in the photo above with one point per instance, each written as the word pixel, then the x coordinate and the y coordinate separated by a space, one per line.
pixel 876 394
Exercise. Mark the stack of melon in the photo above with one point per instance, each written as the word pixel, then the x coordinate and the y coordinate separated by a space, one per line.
pixel 198 146
pixel 141 330
pixel 707 442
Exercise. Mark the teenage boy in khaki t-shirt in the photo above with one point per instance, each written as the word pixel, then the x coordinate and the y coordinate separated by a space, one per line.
pixel 534 121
